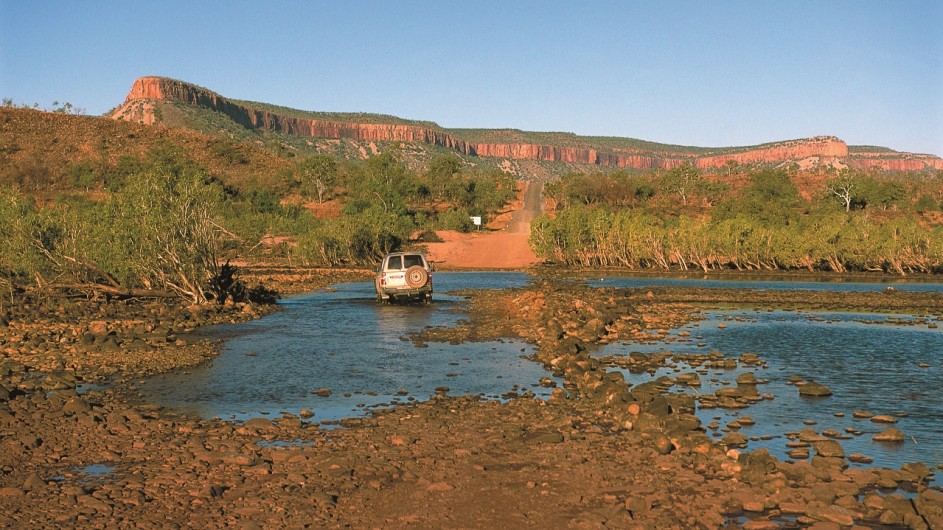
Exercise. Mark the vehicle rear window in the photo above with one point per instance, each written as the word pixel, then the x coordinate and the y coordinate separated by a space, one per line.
pixel 411 261
pixel 395 263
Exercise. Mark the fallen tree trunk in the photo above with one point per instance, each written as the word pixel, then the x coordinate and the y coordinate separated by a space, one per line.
pixel 118 292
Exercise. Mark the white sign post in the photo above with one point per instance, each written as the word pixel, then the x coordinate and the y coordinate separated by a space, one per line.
pixel 476 221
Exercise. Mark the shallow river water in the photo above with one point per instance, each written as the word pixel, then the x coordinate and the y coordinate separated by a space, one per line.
pixel 346 342
pixel 870 362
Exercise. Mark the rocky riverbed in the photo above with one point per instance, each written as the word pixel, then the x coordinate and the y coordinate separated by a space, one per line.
pixel 600 453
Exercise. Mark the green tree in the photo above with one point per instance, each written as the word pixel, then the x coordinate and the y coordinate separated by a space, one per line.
pixel 771 198
pixel 844 186
pixel 681 181
pixel 884 194
pixel 318 174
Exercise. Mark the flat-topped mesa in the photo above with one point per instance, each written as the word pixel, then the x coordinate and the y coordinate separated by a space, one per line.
pixel 894 161
pixel 159 88
pixel 139 107
pixel 819 146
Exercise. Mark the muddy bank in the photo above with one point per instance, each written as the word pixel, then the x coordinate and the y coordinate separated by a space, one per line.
pixel 598 454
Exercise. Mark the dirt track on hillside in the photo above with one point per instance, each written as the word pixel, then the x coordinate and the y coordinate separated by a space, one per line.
pixel 503 246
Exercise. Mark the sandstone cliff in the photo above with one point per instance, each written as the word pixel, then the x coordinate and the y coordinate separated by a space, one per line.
pixel 139 107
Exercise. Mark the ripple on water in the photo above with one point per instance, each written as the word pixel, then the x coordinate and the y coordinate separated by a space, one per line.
pixel 869 363
pixel 346 342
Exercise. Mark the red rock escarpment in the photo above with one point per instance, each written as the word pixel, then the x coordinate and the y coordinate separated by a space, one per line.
pixel 149 89
pixel 894 161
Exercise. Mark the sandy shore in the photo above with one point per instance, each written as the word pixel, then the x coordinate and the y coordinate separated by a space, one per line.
pixel 598 454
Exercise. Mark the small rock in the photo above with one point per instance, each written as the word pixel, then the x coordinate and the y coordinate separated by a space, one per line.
pixel 439 487
pixel 735 439
pixel 747 378
pixel 554 437
pixel 814 389
pixel 889 435
pixel 75 405
pixel 34 483
pixel 828 449
pixel 258 423
pixel 663 445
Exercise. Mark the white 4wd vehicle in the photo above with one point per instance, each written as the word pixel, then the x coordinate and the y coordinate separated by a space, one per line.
pixel 404 276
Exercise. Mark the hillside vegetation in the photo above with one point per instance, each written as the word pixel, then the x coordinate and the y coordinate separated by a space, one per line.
pixel 95 206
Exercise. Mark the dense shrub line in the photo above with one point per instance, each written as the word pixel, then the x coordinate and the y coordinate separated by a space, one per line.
pixel 593 236
pixel 764 225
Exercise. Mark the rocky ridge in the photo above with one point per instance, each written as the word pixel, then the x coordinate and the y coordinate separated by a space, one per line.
pixel 139 106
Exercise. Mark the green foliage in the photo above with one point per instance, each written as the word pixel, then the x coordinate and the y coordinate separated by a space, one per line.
pixel 157 233
pixel 262 200
pixel 455 219
pixel 23 234
pixel 233 153
pixel 615 189
pixel 770 199
pixel 927 203
pixel 84 175
pixel 356 239
pixel 764 226
pixel 881 193
pixel 357 206
pixel 682 181
pixel 318 175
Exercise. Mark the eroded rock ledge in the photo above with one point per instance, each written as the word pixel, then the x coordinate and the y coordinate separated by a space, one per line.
pixel 138 106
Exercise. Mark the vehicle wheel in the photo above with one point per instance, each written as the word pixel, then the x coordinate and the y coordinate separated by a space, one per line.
pixel 416 277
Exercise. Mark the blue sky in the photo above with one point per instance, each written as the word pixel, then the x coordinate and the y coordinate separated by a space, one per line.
pixel 691 73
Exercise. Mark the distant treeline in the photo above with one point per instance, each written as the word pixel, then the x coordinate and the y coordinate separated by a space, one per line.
pixel 679 220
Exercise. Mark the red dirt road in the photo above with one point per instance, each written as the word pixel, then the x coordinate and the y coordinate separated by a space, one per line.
pixel 504 247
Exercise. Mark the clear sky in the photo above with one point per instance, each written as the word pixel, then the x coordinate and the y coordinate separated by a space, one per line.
pixel 691 73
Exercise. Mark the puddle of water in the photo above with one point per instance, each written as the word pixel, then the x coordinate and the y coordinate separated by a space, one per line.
pixel 348 343
pixel 96 470
pixel 867 361
pixel 85 388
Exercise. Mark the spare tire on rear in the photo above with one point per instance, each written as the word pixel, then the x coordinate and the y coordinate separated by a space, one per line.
pixel 416 277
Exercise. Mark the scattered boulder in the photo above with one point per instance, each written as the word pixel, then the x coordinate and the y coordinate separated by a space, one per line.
pixel 811 388
pixel 747 378
pixel 890 434
pixel 828 449
pixel 735 439
pixel 929 505
pixel 859 458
